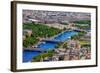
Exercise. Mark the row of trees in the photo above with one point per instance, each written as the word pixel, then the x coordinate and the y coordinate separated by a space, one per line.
pixel 42 56
pixel 38 31
pixel 83 22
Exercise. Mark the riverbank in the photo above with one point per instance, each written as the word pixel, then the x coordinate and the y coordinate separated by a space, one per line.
pixel 51 45
pixel 39 31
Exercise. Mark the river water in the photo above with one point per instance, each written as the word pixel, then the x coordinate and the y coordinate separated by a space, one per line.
pixel 45 45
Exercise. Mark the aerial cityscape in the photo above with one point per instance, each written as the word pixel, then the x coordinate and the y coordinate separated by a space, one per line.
pixel 56 36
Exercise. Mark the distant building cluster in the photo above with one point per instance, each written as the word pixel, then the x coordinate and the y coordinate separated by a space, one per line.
pixel 41 16
pixel 71 49
pixel 74 52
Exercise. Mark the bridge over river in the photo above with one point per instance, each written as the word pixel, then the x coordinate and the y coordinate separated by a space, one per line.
pixel 35 49
pixel 46 44
pixel 52 40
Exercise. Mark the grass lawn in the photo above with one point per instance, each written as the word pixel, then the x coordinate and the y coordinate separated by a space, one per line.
pixel 84 42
